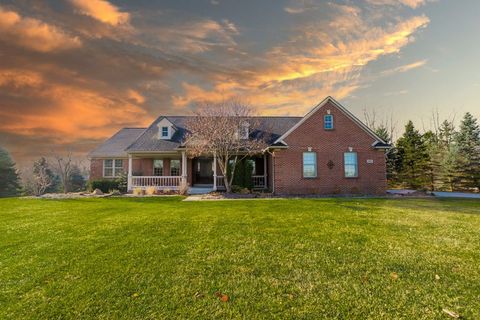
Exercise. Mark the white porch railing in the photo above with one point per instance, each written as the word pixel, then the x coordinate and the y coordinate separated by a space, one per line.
pixel 161 182
pixel 259 182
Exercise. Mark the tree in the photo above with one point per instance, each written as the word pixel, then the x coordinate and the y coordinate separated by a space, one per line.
pixel 63 167
pixel 9 185
pixel 225 130
pixel 414 161
pixel 42 167
pixel 76 180
pixel 468 143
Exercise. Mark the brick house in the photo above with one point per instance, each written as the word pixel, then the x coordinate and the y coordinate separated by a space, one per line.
pixel 328 151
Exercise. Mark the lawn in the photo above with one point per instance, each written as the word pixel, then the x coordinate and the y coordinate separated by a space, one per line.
pixel 161 258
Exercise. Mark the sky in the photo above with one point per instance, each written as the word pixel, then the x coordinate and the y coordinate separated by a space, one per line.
pixel 74 72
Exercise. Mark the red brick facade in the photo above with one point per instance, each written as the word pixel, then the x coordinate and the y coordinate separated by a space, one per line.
pixel 329 145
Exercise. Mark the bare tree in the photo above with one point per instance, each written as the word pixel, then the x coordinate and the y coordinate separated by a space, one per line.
pixel 36 180
pixel 63 167
pixel 386 125
pixel 223 129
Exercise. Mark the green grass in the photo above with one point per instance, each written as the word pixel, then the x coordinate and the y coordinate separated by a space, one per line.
pixel 160 258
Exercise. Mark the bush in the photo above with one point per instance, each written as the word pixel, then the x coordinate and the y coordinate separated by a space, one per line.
pixel 106 185
pixel 151 191
pixel 242 177
pixel 138 191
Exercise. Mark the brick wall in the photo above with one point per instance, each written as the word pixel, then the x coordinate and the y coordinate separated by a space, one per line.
pixel 329 145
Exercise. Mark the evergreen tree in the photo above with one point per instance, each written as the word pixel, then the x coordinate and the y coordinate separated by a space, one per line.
pixel 447 158
pixel 76 179
pixel 9 185
pixel 468 143
pixel 434 158
pixel 415 158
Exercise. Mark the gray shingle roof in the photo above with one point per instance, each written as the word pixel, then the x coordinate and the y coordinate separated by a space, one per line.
pixel 116 145
pixel 146 139
pixel 270 128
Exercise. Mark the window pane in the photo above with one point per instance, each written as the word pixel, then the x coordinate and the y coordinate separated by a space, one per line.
pixel 158 163
pixel 351 166
pixel 158 167
pixel 118 163
pixel 309 164
pixel 328 121
pixel 164 131
pixel 108 172
pixel 175 167
pixel 108 163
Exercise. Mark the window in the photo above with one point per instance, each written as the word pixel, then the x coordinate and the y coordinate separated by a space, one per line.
pixel 328 122
pixel 174 167
pixel 112 167
pixel 351 164
pixel 309 164
pixel 164 132
pixel 158 167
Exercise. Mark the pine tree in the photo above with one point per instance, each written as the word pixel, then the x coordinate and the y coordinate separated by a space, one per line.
pixel 468 142
pixel 447 159
pixel 415 158
pixel 9 184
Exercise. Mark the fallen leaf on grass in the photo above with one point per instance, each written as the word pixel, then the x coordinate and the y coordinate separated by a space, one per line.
pixel 198 295
pixel 394 275
pixel 451 313
pixel 221 296
pixel 135 295
pixel 437 277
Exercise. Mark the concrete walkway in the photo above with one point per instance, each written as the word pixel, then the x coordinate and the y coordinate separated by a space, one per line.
pixel 464 195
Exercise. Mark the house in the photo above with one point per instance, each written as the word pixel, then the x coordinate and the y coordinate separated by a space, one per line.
pixel 328 151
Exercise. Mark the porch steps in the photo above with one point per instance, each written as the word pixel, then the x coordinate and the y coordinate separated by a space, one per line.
pixel 199 190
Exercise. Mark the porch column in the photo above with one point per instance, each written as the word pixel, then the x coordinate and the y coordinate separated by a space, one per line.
pixel 264 169
pixel 184 167
pixel 129 181
pixel 214 172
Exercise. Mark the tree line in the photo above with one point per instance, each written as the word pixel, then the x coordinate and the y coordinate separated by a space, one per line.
pixel 445 158
pixel 59 174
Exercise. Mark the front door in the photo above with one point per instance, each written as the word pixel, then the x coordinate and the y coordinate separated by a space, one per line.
pixel 203 171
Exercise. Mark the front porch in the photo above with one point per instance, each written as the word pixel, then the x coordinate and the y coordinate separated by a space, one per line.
pixel 172 171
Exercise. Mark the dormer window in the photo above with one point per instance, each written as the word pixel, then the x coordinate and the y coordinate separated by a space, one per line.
pixel 166 129
pixel 164 132
pixel 328 122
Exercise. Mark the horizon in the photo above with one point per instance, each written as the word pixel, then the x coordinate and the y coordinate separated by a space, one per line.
pixel 73 73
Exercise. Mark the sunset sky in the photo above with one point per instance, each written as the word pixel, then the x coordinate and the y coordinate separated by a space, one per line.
pixel 74 72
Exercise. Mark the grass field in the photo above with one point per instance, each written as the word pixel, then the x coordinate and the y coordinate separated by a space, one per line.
pixel 160 258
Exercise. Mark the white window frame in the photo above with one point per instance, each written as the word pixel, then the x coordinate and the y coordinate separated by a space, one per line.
pixel 113 167
pixel 179 168
pixel 345 164
pixel 314 164
pixel 325 121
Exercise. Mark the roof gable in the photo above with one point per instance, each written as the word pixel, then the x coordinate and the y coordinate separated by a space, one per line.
pixel 342 109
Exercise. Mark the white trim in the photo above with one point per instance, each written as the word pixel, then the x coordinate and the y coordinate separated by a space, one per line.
pixel 341 108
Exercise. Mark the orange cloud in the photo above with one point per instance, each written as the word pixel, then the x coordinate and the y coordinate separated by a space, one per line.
pixel 102 11
pixel 406 67
pixel 73 113
pixel 34 34
pixel 409 3
pixel 311 65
